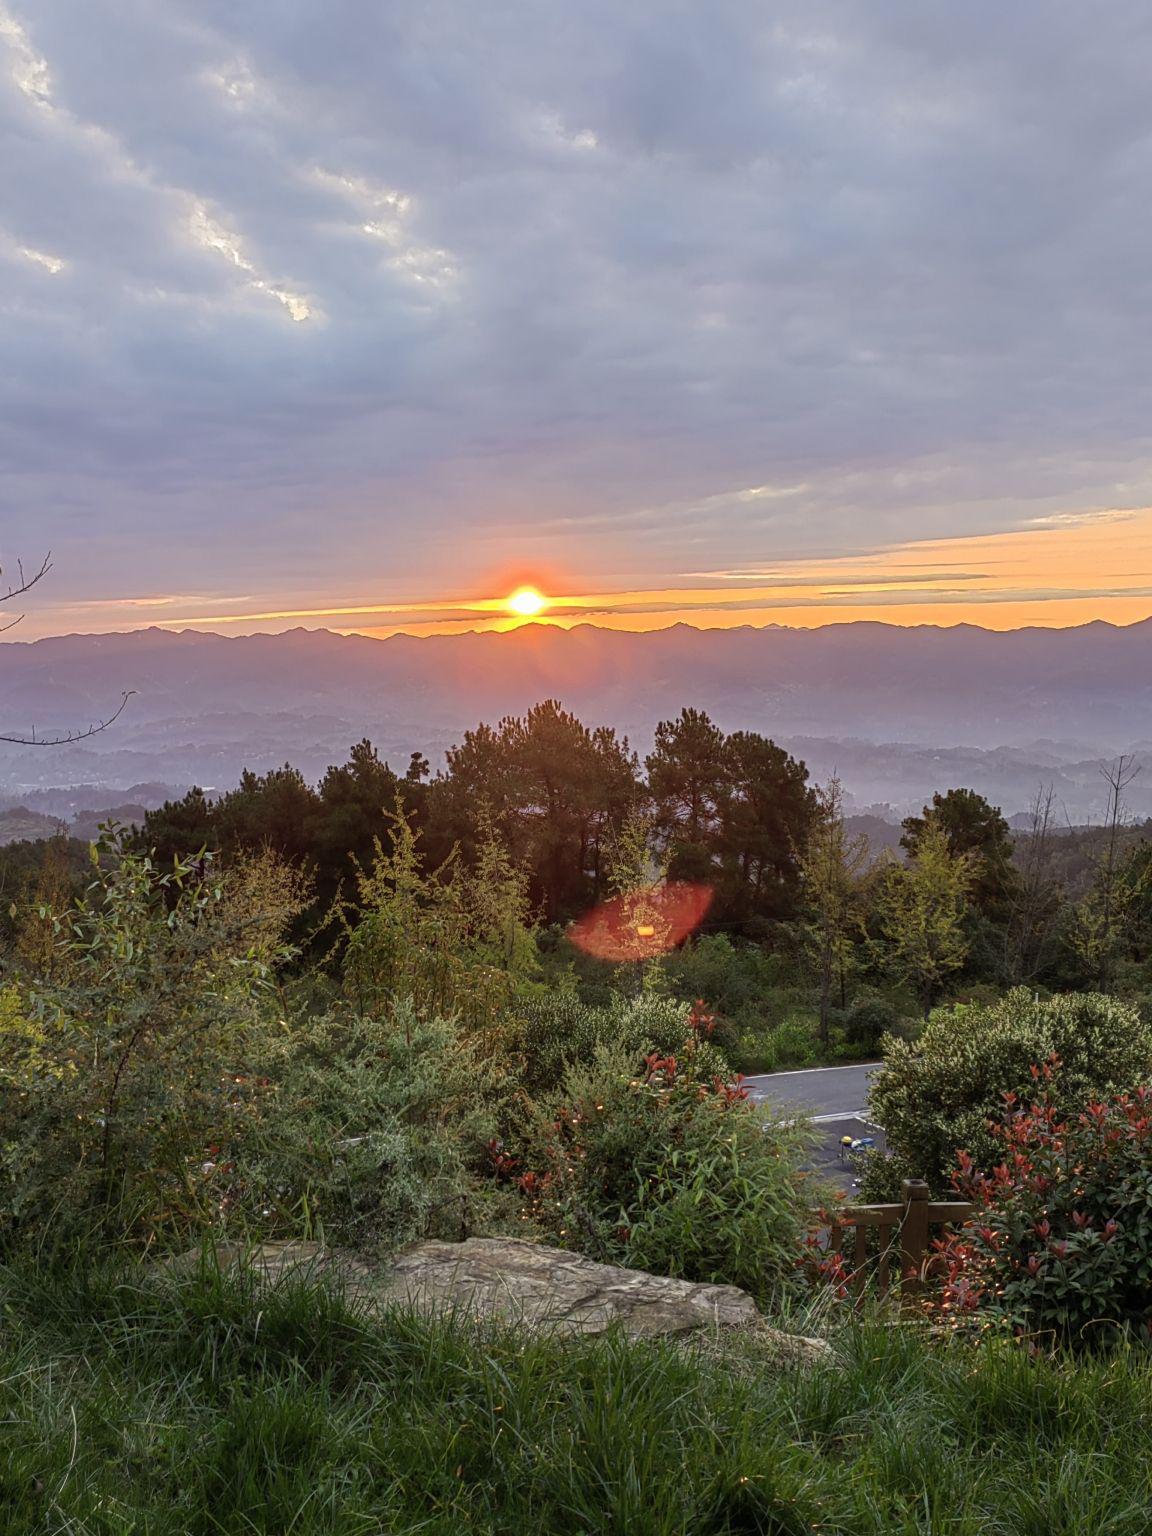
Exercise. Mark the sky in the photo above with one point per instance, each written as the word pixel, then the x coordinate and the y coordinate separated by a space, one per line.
pixel 362 315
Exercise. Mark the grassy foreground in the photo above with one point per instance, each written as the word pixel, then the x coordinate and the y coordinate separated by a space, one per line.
pixel 129 1404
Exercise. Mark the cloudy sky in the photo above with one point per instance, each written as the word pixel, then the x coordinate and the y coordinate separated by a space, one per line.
pixel 359 314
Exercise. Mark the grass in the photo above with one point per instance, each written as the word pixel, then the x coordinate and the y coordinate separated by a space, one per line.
pixel 130 1404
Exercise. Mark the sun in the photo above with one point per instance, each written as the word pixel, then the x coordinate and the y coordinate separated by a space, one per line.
pixel 527 602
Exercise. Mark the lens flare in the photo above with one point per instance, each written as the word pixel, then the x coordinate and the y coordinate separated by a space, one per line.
pixel 643 923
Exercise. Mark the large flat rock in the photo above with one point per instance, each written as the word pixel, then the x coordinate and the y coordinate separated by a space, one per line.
pixel 509 1280
pixel 547 1288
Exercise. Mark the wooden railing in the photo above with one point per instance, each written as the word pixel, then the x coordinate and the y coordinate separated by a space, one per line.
pixel 891 1245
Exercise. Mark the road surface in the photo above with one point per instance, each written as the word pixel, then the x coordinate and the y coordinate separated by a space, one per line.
pixel 821 1091
pixel 836 1099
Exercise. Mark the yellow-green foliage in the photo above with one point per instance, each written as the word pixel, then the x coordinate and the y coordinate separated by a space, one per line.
pixel 26 1056
pixel 923 906
pixel 135 1054
pixel 453 941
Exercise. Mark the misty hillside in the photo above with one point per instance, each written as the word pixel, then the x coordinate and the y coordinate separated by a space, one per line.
pixel 897 711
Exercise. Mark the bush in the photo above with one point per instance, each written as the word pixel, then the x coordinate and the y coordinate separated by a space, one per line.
pixel 945 1091
pixel 1061 1243
pixel 373 1130
pixel 792 1042
pixel 551 1033
pixel 669 1169
pixel 137 1052
pixel 867 1021
pixel 732 978
pixel 151 1092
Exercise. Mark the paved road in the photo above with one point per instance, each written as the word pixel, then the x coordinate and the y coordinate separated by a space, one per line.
pixel 836 1098
pixel 822 1091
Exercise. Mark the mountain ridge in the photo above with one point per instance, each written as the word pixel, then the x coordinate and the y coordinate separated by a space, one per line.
pixel 207 704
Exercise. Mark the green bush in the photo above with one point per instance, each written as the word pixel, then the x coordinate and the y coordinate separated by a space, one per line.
pixel 1061 1242
pixel 372 1130
pixel 152 1091
pixel 790 1042
pixel 867 1021
pixel 945 1091
pixel 731 978
pixel 548 1034
pixel 668 1169
pixel 135 1055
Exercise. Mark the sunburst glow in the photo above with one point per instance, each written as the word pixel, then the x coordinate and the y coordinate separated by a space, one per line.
pixel 527 602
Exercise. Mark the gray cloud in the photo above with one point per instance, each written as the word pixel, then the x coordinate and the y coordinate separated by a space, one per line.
pixel 298 294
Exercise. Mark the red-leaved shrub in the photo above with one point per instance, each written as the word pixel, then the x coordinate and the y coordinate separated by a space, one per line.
pixel 1060 1244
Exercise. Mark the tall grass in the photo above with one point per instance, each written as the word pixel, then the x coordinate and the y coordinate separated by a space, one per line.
pixel 133 1404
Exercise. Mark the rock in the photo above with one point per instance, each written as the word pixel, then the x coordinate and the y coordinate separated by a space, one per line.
pixel 545 1289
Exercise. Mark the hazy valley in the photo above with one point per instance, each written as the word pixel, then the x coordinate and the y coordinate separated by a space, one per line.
pixel 897 713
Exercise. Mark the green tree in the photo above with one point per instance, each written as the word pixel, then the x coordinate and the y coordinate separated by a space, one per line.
pixel 832 868
pixel 975 830
pixel 767 817
pixel 1100 920
pixel 731 811
pixel 923 905
pixel 454 941
pixel 689 771
pixel 274 810
pixel 179 828
pixel 634 876
pixel 556 791
pixel 1036 903
pixel 352 813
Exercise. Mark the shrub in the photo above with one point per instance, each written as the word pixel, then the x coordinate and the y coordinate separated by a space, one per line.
pixel 150 1091
pixel 372 1129
pixel 731 977
pixel 137 1052
pixel 867 1021
pixel 944 1091
pixel 555 1031
pixel 670 1169
pixel 792 1042
pixel 1061 1243
pixel 456 941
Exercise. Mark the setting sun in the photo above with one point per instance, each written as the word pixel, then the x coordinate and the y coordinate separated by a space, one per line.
pixel 527 602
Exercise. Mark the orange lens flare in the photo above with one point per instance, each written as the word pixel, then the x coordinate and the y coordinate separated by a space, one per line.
pixel 644 923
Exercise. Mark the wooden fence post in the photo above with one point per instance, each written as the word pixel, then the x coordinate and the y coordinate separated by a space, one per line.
pixel 913 1238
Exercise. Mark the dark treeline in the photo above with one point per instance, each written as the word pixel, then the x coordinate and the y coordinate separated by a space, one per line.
pixel 733 810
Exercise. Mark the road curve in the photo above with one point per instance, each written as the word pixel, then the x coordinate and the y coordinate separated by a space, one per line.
pixel 837 1099
pixel 817 1091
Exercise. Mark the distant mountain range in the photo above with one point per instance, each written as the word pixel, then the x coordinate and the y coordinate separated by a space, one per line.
pixel 897 711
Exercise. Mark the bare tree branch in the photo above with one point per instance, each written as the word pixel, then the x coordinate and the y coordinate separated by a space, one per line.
pixel 26 583
pixel 70 736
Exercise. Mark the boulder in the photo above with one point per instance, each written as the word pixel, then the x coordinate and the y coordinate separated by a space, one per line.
pixel 507 1279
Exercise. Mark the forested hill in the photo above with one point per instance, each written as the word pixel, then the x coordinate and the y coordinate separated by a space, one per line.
pixel 1044 702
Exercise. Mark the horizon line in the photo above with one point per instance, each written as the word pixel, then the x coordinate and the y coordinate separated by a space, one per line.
pixel 515 626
